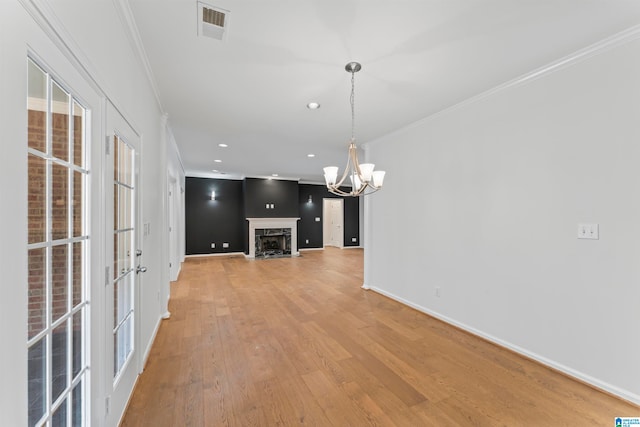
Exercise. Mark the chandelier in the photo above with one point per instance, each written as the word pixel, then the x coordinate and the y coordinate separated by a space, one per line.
pixel 364 180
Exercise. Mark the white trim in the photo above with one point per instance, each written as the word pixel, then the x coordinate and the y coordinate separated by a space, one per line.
pixel 216 254
pixel 147 352
pixel 599 384
pixel 595 49
pixel 311 249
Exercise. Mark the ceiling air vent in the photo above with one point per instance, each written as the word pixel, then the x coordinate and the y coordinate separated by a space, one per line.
pixel 212 21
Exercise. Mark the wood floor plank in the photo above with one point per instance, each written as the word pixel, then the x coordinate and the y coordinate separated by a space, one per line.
pixel 297 342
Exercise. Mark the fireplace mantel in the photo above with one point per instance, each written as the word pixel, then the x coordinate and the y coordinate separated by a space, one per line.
pixel 291 223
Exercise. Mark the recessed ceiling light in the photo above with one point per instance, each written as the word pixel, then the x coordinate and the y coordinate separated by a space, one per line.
pixel 218 161
pixel 223 145
pixel 275 174
pixel 311 155
pixel 215 170
pixel 313 106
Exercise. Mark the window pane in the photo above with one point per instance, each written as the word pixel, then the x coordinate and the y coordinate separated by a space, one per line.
pixel 37 108
pixel 123 162
pixel 37 291
pixel 122 250
pixel 122 345
pixel 37 380
pixel 60 123
pixel 58 361
pixel 122 297
pixel 77 272
pixel 77 344
pixel 37 199
pixel 60 281
pixel 78 134
pixel 78 199
pixel 76 415
pixel 59 418
pixel 60 202
pixel 124 207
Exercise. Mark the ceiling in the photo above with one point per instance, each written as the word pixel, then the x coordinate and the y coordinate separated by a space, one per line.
pixel 418 57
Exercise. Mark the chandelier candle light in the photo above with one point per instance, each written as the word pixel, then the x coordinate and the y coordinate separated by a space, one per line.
pixel 364 180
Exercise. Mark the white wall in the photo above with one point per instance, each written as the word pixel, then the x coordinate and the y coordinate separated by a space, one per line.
pixel 483 201
pixel 104 55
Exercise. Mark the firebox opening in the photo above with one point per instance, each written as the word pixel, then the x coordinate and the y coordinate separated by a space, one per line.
pixel 273 242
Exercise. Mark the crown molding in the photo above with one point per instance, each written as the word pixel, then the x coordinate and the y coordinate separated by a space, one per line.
pixel 126 15
pixel 590 51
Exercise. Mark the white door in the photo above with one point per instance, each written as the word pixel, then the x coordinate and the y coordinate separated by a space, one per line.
pixel 123 261
pixel 333 221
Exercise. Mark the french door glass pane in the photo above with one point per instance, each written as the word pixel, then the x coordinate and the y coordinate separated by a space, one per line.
pixel 77 271
pixel 37 108
pixel 122 298
pixel 59 361
pixel 122 344
pixel 37 198
pixel 37 291
pixel 76 405
pixel 60 202
pixel 77 361
pixel 78 187
pixel 60 416
pixel 37 380
pixel 78 132
pixel 60 281
pixel 60 123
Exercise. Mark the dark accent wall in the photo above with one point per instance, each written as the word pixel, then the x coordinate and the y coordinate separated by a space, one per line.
pixel 309 229
pixel 352 221
pixel 224 219
pixel 214 221
pixel 283 195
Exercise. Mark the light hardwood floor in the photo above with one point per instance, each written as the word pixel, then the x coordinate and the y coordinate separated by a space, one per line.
pixel 288 342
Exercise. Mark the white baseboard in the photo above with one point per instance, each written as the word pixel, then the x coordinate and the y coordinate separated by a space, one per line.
pixel 216 254
pixel 311 249
pixel 594 382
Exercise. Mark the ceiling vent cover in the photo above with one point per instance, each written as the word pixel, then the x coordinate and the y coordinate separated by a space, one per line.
pixel 213 22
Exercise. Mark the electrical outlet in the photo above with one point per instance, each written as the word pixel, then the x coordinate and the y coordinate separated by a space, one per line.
pixel 438 293
pixel 213 246
pixel 353 239
pixel 317 219
pixel 107 405
pixel 267 205
pixel 225 245
pixel 307 241
pixel 588 231
pixel 272 205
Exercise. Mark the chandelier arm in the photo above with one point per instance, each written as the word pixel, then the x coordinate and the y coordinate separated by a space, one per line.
pixel 345 174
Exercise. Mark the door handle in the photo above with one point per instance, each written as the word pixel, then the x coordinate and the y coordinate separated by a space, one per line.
pixel 140 269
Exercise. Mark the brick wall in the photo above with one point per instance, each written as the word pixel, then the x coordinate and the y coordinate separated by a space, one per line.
pixel 61 255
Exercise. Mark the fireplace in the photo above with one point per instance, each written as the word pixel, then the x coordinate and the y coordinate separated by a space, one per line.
pixel 273 242
pixel 273 237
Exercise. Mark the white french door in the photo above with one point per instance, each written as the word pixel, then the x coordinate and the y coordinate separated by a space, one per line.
pixel 122 259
